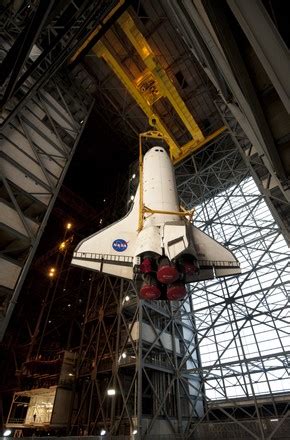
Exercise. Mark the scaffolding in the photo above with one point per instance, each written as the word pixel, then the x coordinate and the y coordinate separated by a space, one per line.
pixel 130 364
pixel 241 323
pixel 215 365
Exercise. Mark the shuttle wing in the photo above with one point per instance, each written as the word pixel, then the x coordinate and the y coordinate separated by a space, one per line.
pixel 214 260
pixel 112 249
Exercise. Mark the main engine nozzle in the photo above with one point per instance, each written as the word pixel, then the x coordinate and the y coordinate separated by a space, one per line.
pixel 167 272
pixel 176 291
pixel 149 289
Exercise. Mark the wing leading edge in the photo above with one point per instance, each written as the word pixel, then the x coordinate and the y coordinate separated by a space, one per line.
pixel 112 249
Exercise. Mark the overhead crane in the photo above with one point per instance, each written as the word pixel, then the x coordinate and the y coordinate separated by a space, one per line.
pixel 165 86
pixel 152 85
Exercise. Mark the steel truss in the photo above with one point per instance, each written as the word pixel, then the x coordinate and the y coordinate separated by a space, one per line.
pixel 38 38
pixel 225 373
pixel 144 364
pixel 37 147
pixel 264 176
pixel 241 323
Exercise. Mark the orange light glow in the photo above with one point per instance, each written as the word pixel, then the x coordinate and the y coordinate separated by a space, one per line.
pixel 51 272
pixel 145 51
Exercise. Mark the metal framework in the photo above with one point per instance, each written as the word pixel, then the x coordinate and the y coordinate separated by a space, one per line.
pixel 228 372
pixel 241 323
pixel 42 117
pixel 215 365
pixel 36 39
pixel 37 146
pixel 263 176
pixel 130 365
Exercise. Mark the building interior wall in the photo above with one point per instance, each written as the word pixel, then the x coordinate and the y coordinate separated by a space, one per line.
pixel 215 366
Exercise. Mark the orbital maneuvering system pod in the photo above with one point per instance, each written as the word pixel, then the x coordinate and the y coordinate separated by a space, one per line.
pixel 156 243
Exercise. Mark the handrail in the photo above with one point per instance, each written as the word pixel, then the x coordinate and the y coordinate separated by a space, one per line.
pixel 93 255
pixel 129 259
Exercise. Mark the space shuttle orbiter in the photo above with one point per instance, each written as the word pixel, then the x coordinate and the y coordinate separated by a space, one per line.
pixel 155 243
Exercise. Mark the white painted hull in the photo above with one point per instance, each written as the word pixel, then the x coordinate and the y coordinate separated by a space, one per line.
pixel 120 248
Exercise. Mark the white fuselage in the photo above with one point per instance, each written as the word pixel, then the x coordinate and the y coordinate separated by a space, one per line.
pixel 121 248
pixel 159 193
pixel 159 187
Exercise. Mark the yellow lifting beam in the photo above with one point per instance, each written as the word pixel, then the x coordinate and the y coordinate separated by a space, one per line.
pixel 165 85
pixel 177 153
pixel 191 146
pixel 102 51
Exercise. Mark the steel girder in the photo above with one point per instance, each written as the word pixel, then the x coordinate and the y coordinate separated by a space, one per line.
pixel 135 348
pixel 227 386
pixel 241 323
pixel 37 147
pixel 265 177
pixel 57 36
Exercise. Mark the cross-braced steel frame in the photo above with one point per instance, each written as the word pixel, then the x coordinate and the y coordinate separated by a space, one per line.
pixel 38 38
pixel 137 349
pixel 37 147
pixel 241 323
pixel 216 365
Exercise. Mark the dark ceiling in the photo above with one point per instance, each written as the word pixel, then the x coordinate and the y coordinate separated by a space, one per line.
pixel 100 158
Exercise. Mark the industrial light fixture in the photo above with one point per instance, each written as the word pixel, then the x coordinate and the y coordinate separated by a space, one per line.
pixel 134 432
pixel 124 355
pixel 125 299
pixel 111 392
pixel 68 226
pixel 62 245
pixel 134 175
pixel 274 420
pixel 51 272
pixel 7 432
pixel 103 432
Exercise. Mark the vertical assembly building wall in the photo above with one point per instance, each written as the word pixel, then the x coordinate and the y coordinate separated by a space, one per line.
pixel 36 148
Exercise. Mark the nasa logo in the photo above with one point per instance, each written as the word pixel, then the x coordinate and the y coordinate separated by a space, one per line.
pixel 119 245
